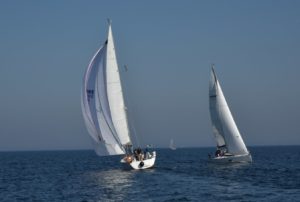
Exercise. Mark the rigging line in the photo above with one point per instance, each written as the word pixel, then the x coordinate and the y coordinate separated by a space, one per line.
pixel 135 134
pixel 215 76
pixel 213 69
pixel 129 123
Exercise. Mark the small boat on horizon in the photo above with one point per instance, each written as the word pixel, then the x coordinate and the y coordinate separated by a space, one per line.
pixel 105 112
pixel 172 145
pixel 230 145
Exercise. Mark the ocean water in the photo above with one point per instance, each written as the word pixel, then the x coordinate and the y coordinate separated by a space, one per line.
pixel 180 175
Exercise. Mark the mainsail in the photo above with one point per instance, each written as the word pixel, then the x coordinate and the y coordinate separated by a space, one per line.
pixel 224 128
pixel 102 102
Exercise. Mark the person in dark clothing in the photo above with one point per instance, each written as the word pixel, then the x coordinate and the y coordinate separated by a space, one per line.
pixel 218 153
pixel 135 153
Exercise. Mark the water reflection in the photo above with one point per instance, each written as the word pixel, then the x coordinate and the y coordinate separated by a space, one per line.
pixel 232 165
pixel 111 185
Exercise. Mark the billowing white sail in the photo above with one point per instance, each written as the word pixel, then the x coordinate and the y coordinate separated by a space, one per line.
pixel 103 103
pixel 224 128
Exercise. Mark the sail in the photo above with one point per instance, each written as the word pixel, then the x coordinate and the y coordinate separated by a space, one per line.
pixel 214 113
pixel 225 130
pixel 115 93
pixel 103 104
pixel 172 145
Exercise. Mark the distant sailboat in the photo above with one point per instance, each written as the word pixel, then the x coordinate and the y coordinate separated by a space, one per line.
pixel 172 145
pixel 230 145
pixel 104 109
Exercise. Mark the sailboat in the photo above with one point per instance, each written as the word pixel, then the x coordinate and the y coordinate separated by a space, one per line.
pixel 172 145
pixel 230 145
pixel 104 110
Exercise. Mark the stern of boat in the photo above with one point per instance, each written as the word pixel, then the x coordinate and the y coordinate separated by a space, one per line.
pixel 144 164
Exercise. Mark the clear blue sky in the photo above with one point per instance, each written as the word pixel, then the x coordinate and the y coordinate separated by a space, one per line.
pixel 168 46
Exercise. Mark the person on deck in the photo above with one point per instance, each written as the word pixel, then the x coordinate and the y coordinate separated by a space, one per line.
pixel 139 154
pixel 218 153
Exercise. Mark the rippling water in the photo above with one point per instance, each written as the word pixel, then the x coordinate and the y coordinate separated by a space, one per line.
pixel 180 175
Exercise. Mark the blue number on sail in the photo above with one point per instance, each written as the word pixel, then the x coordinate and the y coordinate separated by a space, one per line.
pixel 90 94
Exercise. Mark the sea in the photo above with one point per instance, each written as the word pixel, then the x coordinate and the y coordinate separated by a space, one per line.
pixel 180 175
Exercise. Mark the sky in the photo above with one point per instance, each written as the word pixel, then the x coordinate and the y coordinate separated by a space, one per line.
pixel 168 46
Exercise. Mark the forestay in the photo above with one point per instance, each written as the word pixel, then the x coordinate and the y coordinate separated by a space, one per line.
pixel 224 128
pixel 103 103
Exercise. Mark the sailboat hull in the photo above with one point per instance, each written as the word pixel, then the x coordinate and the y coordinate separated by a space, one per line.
pixel 172 147
pixel 148 163
pixel 232 159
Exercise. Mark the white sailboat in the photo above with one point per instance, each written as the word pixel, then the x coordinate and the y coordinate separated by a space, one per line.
pixel 172 145
pixel 230 145
pixel 104 109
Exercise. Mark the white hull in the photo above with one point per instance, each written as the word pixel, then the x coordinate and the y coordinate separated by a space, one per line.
pixel 148 163
pixel 144 164
pixel 232 159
